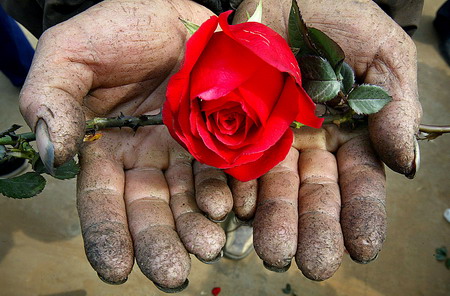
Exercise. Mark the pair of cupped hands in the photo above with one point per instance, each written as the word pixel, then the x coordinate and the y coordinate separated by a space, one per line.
pixel 141 195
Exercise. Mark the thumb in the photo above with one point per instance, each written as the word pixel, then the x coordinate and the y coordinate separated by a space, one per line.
pixel 393 129
pixel 51 98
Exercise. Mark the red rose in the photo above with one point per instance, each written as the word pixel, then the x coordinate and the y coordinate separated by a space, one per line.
pixel 235 96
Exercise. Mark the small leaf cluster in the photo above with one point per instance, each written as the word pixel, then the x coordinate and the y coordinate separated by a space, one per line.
pixel 326 77
pixel 29 184
pixel 442 256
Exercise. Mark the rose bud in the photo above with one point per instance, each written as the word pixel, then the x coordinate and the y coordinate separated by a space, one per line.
pixel 235 96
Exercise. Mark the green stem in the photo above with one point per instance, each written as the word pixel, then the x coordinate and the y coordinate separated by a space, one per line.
pixel 21 154
pixel 12 129
pixel 339 118
pixel 8 140
pixel 123 121
pixel 439 129
pixel 94 125
pixel 134 122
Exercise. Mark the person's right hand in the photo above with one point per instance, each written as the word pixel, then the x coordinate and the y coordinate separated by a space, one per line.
pixel 136 189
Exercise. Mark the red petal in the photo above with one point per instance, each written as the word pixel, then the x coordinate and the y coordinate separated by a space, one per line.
pixel 306 111
pixel 178 86
pixel 223 103
pixel 262 91
pixel 264 43
pixel 223 66
pixel 215 291
pixel 229 120
pixel 278 122
pixel 266 162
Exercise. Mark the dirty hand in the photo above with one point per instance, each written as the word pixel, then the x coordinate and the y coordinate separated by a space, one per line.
pixel 135 190
pixel 330 190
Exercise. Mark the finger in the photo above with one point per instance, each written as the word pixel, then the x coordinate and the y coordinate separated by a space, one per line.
pixel 393 130
pixel 200 236
pixel 212 193
pixel 244 198
pixel 363 215
pixel 275 222
pixel 52 95
pixel 103 218
pixel 320 241
pixel 159 252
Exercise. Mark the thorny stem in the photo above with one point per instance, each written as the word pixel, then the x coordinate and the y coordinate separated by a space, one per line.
pixel 122 121
pixel 92 126
pixel 135 122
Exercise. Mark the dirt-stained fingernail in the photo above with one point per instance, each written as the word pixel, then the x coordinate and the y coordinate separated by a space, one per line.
pixel 416 162
pixel 173 290
pixel 217 220
pixel 365 261
pixel 214 260
pixel 45 146
pixel 112 282
pixel 277 269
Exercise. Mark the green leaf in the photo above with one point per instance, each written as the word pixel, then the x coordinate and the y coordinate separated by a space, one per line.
pixel 441 254
pixel 2 152
pixel 319 79
pixel 38 166
pixel 66 171
pixel 447 263
pixel 298 32
pixel 348 78
pixel 316 68
pixel 257 15
pixel 287 289
pixel 440 257
pixel 368 99
pixel 322 91
pixel 311 41
pixel 442 250
pixel 191 27
pixel 327 48
pixel 23 186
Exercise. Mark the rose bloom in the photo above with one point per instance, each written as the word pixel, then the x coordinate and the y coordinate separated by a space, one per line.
pixel 235 96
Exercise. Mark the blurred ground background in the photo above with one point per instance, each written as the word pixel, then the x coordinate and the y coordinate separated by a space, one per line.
pixel 41 250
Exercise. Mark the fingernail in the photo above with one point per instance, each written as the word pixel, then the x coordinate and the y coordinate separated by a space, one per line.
pixel 416 162
pixel 275 268
pixel 365 261
pixel 243 222
pixel 112 282
pixel 173 290
pixel 218 221
pixel 214 260
pixel 45 146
